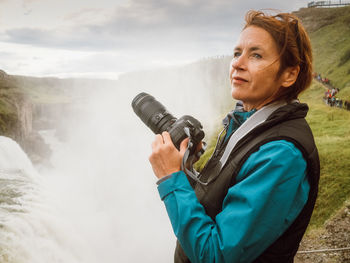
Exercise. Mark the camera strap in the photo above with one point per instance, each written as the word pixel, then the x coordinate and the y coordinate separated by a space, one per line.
pixel 187 160
pixel 255 120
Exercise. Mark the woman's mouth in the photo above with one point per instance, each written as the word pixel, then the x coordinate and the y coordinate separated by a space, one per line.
pixel 238 80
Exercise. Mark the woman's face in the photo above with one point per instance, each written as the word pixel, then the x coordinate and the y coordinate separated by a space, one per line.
pixel 254 68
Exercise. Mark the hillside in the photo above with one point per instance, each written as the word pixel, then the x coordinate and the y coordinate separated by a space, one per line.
pixel 28 104
pixel 329 30
pixel 22 103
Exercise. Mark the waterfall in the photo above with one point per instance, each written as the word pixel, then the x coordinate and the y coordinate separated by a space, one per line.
pixel 30 229
pixel 98 201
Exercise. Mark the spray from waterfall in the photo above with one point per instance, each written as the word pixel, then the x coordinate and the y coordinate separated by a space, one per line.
pixel 98 201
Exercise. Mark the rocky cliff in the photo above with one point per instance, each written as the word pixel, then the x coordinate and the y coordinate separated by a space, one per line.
pixel 31 104
pixel 16 118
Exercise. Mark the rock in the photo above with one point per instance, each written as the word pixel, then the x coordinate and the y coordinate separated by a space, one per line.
pixel 36 148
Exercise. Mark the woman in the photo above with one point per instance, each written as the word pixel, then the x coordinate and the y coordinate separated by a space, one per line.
pixel 255 196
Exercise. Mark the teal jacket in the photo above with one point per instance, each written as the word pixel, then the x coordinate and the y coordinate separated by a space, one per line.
pixel 271 190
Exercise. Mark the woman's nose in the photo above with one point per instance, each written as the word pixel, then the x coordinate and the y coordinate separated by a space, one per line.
pixel 238 63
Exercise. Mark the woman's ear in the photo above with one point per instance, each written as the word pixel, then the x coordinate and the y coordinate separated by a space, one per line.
pixel 289 76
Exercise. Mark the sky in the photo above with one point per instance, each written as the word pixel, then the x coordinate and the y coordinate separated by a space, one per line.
pixel 104 38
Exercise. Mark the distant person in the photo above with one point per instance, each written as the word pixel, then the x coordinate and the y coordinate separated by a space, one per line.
pixel 333 92
pixel 253 200
pixel 347 105
pixel 332 101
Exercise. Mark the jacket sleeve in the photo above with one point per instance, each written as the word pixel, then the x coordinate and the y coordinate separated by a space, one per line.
pixel 271 190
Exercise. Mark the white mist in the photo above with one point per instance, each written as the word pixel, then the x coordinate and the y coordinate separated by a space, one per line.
pixel 99 200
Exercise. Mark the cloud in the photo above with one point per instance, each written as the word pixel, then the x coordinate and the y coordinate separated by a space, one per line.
pixel 138 33
pixel 7 55
pixel 140 24
pixel 144 24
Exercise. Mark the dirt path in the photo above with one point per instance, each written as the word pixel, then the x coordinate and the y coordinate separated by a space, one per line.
pixel 336 234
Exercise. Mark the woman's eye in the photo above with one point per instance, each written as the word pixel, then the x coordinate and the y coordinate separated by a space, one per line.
pixel 256 55
pixel 236 54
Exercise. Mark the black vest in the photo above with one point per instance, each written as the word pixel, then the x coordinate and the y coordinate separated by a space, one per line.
pixel 287 123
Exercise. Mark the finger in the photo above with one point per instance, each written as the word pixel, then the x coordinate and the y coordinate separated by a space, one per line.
pixel 199 146
pixel 167 138
pixel 183 146
pixel 158 140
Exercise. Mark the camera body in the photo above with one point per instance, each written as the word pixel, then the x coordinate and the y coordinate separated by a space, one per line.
pixel 158 119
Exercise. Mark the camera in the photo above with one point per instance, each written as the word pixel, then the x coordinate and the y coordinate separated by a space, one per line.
pixel 158 119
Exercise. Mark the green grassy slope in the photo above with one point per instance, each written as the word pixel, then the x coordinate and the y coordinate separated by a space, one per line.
pixel 331 128
pixel 329 30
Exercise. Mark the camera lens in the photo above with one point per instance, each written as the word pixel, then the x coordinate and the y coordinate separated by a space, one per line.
pixel 152 113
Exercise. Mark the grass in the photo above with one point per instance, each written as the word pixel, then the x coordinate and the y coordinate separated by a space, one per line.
pixel 331 126
pixel 208 152
pixel 331 129
pixel 331 49
pixel 39 95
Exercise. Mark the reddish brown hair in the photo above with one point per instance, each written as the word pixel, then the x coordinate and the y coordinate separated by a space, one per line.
pixel 294 47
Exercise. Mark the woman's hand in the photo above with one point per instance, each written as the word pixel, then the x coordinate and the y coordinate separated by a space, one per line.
pixel 165 158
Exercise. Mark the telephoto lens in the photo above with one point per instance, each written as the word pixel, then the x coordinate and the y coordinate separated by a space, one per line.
pixel 158 119
pixel 152 113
